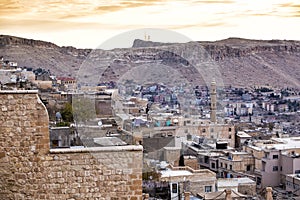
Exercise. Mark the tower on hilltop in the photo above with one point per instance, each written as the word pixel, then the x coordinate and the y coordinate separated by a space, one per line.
pixel 213 102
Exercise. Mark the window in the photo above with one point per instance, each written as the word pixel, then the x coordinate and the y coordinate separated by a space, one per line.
pixel 266 155
pixel 212 130
pixel 203 130
pixel 229 136
pixel 221 164
pixel 248 168
pixel 297 171
pixel 213 165
pixel 230 167
pixel 275 168
pixel 275 156
pixel 229 129
pixel 208 188
pixel 226 166
pixel 258 180
pixel 206 159
pixel 174 187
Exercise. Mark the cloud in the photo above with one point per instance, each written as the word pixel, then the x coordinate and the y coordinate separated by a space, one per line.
pixel 213 2
pixel 185 26
pixel 294 9
pixel 125 5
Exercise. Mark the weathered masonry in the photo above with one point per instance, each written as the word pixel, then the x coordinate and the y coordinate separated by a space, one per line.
pixel 29 169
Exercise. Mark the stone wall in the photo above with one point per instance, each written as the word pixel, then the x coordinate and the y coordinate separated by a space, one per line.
pixel 30 170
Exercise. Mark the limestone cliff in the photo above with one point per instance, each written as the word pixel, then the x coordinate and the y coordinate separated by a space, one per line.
pixel 241 62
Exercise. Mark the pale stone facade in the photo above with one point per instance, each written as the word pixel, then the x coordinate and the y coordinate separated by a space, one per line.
pixel 29 169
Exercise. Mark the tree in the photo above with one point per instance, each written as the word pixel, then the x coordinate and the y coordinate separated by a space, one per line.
pixel 67 113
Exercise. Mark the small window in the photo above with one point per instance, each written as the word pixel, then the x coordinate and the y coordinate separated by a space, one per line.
pixel 248 168
pixel 174 188
pixel 229 136
pixel 275 156
pixel 275 168
pixel 258 180
pixel 221 164
pixel 206 159
pixel 230 167
pixel 229 129
pixel 208 188
pixel 213 165
pixel 203 130
pixel 226 166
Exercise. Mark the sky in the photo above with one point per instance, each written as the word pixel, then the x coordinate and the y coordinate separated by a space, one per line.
pixel 93 23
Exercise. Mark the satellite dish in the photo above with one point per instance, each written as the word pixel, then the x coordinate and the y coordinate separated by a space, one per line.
pixel 100 123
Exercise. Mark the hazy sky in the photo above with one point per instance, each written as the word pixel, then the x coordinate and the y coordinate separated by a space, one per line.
pixel 89 23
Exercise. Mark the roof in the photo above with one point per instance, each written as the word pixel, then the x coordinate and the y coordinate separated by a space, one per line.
pixel 295 176
pixel 66 78
pixel 220 195
pixel 242 134
pixel 246 180
pixel 171 173
pixel 227 182
pixel 109 141
pixel 280 144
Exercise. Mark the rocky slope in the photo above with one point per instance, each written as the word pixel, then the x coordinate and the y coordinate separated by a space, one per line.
pixel 235 61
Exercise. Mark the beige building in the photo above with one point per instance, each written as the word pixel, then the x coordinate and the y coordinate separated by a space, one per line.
pixel 188 179
pixel 236 164
pixel 292 184
pixel 274 159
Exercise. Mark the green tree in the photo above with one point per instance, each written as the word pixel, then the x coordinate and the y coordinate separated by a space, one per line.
pixel 67 113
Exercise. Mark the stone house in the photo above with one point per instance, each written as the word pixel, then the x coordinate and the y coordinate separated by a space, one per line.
pixel 188 179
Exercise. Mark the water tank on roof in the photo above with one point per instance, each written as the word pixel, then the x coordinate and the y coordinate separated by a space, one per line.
pixel 163 165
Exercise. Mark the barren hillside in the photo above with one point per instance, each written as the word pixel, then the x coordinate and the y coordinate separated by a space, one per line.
pixel 237 62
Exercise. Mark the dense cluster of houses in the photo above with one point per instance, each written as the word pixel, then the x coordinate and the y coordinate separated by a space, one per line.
pixel 193 139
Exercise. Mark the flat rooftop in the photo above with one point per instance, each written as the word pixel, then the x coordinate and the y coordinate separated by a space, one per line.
pixel 172 173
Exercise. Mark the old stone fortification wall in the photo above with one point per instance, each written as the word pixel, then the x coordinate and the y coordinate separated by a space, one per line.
pixel 30 170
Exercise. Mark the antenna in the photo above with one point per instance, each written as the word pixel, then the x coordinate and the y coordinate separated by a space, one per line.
pixel 146 37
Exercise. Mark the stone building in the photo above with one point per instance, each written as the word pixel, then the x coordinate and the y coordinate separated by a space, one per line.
pixel 29 169
pixel 292 184
pixel 188 179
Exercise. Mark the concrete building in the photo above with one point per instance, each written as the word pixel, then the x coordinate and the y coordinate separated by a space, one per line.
pixel 244 185
pixel 188 179
pixel 236 164
pixel 274 159
pixel 292 184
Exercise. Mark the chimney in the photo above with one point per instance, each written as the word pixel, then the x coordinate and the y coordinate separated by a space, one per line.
pixel 228 194
pixel 269 193
pixel 187 195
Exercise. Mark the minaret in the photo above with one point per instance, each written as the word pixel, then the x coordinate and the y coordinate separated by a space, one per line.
pixel 213 102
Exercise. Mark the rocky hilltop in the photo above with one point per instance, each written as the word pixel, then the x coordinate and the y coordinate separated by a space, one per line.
pixel 239 62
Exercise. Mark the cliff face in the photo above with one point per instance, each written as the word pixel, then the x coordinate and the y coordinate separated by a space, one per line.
pixel 241 62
